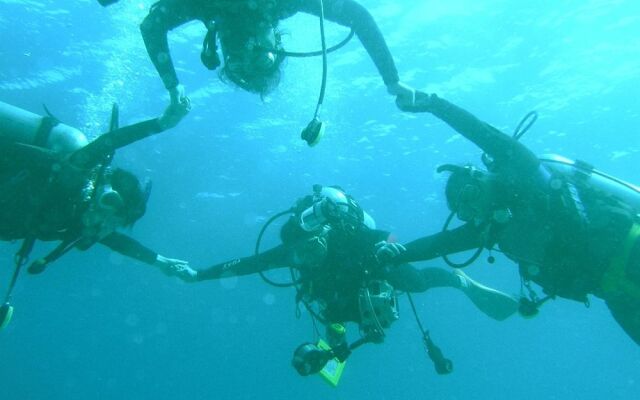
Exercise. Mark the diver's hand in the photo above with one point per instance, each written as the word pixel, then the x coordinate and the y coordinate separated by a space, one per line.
pixel 178 108
pixel 385 251
pixel 405 94
pixel 177 268
pixel 179 98
pixel 422 102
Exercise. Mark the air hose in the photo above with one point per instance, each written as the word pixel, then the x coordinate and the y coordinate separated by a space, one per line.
pixel 446 258
pixel 293 282
pixel 316 53
pixel 442 364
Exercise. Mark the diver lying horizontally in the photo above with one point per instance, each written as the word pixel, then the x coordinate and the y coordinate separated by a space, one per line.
pixel 54 186
pixel 340 260
pixel 573 230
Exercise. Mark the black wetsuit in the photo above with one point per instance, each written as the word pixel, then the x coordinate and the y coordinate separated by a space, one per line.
pixel 334 280
pixel 565 254
pixel 41 191
pixel 166 15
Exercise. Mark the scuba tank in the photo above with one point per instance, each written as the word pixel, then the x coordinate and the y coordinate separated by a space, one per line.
pixel 585 175
pixel 22 126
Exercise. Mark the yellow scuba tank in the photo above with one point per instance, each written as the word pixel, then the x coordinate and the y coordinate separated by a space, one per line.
pixel 22 126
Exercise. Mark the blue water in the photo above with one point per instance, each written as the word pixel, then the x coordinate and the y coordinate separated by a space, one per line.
pixel 98 326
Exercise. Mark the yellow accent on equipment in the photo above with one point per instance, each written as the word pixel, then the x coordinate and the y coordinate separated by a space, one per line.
pixel 332 371
pixel 615 280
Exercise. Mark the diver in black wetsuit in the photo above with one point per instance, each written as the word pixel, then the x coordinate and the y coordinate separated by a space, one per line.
pixel 340 261
pixel 251 43
pixel 572 229
pixel 70 194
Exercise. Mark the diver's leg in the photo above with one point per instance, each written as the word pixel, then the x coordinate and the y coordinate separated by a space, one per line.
pixel 491 302
pixel 407 278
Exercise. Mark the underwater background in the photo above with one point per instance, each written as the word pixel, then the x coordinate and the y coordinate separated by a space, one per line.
pixel 99 326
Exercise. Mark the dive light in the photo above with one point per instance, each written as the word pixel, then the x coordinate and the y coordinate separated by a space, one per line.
pixel 309 359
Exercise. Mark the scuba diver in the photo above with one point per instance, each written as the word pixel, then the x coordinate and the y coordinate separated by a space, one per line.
pixel 56 186
pixel 572 229
pixel 339 267
pixel 251 44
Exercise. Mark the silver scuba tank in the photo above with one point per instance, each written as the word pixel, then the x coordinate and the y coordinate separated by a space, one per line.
pixel 583 172
pixel 23 126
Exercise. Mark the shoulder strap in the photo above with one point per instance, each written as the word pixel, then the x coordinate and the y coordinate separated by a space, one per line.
pixel 44 130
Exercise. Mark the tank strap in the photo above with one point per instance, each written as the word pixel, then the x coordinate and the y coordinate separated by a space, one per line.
pixel 44 130
pixel 39 265
pixel 615 280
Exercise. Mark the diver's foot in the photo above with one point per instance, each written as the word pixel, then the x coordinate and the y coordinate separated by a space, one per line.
pixel 491 302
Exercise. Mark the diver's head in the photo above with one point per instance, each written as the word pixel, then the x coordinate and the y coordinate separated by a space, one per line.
pixel 252 56
pixel 134 194
pixel 118 201
pixel 471 193
pixel 331 206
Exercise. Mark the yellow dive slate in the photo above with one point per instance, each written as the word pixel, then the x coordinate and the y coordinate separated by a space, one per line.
pixel 332 371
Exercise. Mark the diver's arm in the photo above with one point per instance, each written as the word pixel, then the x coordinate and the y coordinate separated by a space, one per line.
pixel 164 16
pixel 129 247
pixel 351 14
pixel 270 259
pixel 500 146
pixel 132 248
pixel 95 152
pixel 463 238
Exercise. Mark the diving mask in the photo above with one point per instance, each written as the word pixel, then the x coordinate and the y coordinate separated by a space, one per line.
pixel 256 54
pixel 106 213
